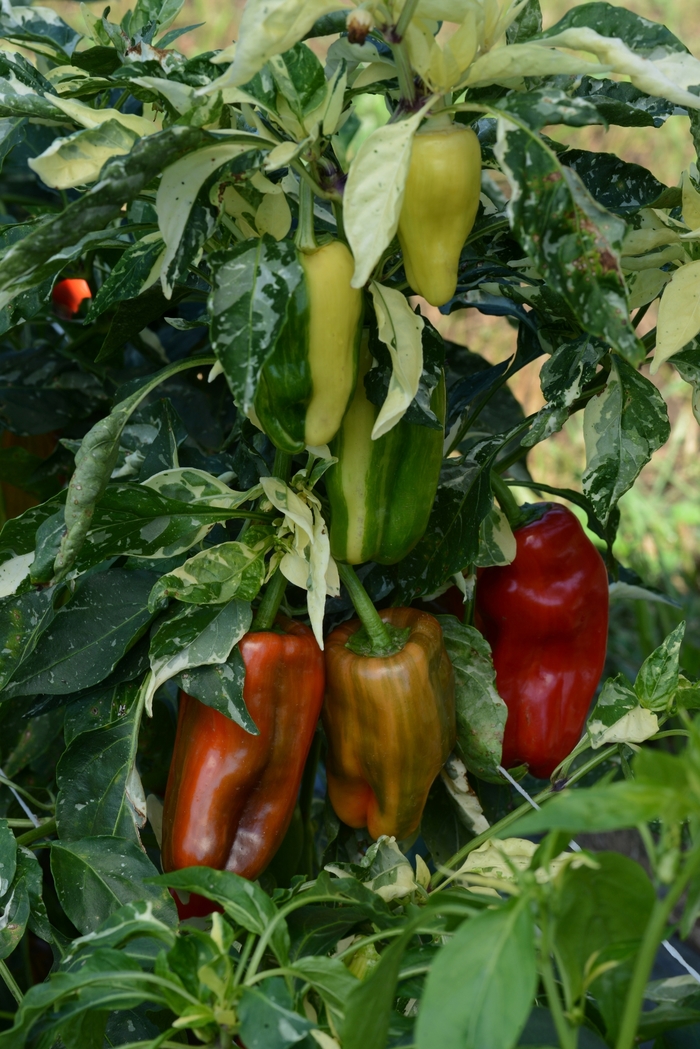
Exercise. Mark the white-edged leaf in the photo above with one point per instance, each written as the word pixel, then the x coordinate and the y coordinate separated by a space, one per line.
pixel 180 96
pixel 13 572
pixel 79 158
pixel 89 117
pixel 679 314
pixel 218 574
pixel 374 192
pixel 199 635
pixel 178 190
pixel 270 27
pixel 197 487
pixel 400 329
pixel 520 60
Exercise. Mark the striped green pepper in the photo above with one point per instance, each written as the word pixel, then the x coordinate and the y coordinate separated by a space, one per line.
pixel 381 492
pixel 306 385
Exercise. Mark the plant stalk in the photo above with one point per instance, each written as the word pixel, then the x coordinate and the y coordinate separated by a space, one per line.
pixel 271 601
pixel 46 828
pixel 369 617
pixel 507 500
pixel 305 238
pixel 653 936
pixel 567 1036
pixel 11 983
pixel 407 12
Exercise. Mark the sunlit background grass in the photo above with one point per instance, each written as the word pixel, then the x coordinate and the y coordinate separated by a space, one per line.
pixel 660 529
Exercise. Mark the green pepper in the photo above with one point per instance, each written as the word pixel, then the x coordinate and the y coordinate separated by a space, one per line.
pixel 381 492
pixel 306 385
pixel 439 207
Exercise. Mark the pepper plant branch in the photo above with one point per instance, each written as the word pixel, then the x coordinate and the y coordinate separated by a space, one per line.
pixel 653 936
pixel 407 12
pixel 507 500
pixel 567 1036
pixel 271 601
pixel 304 176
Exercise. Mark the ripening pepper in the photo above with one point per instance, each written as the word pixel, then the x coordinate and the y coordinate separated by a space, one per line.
pixel 68 294
pixel 439 207
pixel 381 492
pixel 306 384
pixel 546 619
pixel 390 724
pixel 231 795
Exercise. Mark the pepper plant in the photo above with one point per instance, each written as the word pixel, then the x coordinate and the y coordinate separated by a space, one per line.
pixel 232 812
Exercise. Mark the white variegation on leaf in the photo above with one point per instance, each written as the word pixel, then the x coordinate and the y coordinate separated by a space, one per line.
pixel 218 574
pixel 454 776
pixel 506 65
pixel 374 192
pixel 691 202
pixel 178 190
pixel 645 285
pixel 307 562
pixel 198 488
pixel 400 329
pixel 197 636
pixel 497 544
pixel 79 158
pixel 679 314
pixel 270 27
pixel 89 117
pixel 668 76
pixel 13 573
pixel 180 96
pixel 635 726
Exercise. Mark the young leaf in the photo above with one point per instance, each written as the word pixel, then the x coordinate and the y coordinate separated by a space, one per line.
pixel 243 901
pixel 578 251
pixel 99 790
pixel 218 574
pixel 623 427
pixel 269 27
pixel 657 680
pixel 679 314
pixel 400 329
pixel 481 986
pixel 374 192
pixel 195 636
pixel 255 285
pixel 96 876
pixel 618 717
pixel 481 713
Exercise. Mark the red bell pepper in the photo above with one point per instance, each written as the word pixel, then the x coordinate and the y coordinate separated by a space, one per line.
pixel 546 619
pixel 68 294
pixel 231 795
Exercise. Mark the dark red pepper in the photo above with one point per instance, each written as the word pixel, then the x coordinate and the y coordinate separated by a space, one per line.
pixel 546 619
pixel 231 795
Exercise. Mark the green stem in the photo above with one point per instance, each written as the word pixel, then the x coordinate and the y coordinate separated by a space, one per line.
pixel 46 828
pixel 403 68
pixel 282 465
pixel 515 815
pixel 407 12
pixel 376 629
pixel 270 604
pixel 306 797
pixel 11 983
pixel 243 959
pixel 567 1036
pixel 507 500
pixel 653 935
pixel 305 239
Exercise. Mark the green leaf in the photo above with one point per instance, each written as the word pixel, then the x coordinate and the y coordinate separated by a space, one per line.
pixel 574 242
pixel 192 637
pixel 610 20
pixel 128 276
pixel 611 807
pixel 596 909
pixel 255 285
pixel 95 461
pixel 99 789
pixel 623 104
pixel 299 76
pixel 96 876
pixel 129 921
pixel 481 713
pixel 79 158
pixel 23 620
pixel 216 575
pixel 657 680
pixel 527 24
pixel 39 29
pixel 618 717
pixel 369 1006
pixel 8 857
pixel 621 187
pixel 243 901
pixel 544 106
pixel 572 366
pixel 623 427
pixel 480 989
pixel 17 902
pixel 88 636
pixel 221 687
pixel 267 1017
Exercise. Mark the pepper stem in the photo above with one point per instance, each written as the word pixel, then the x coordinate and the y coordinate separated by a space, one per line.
pixel 305 239
pixel 270 604
pixel 506 500
pixel 381 638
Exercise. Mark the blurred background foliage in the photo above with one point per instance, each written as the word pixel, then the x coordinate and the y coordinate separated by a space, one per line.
pixel 660 526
